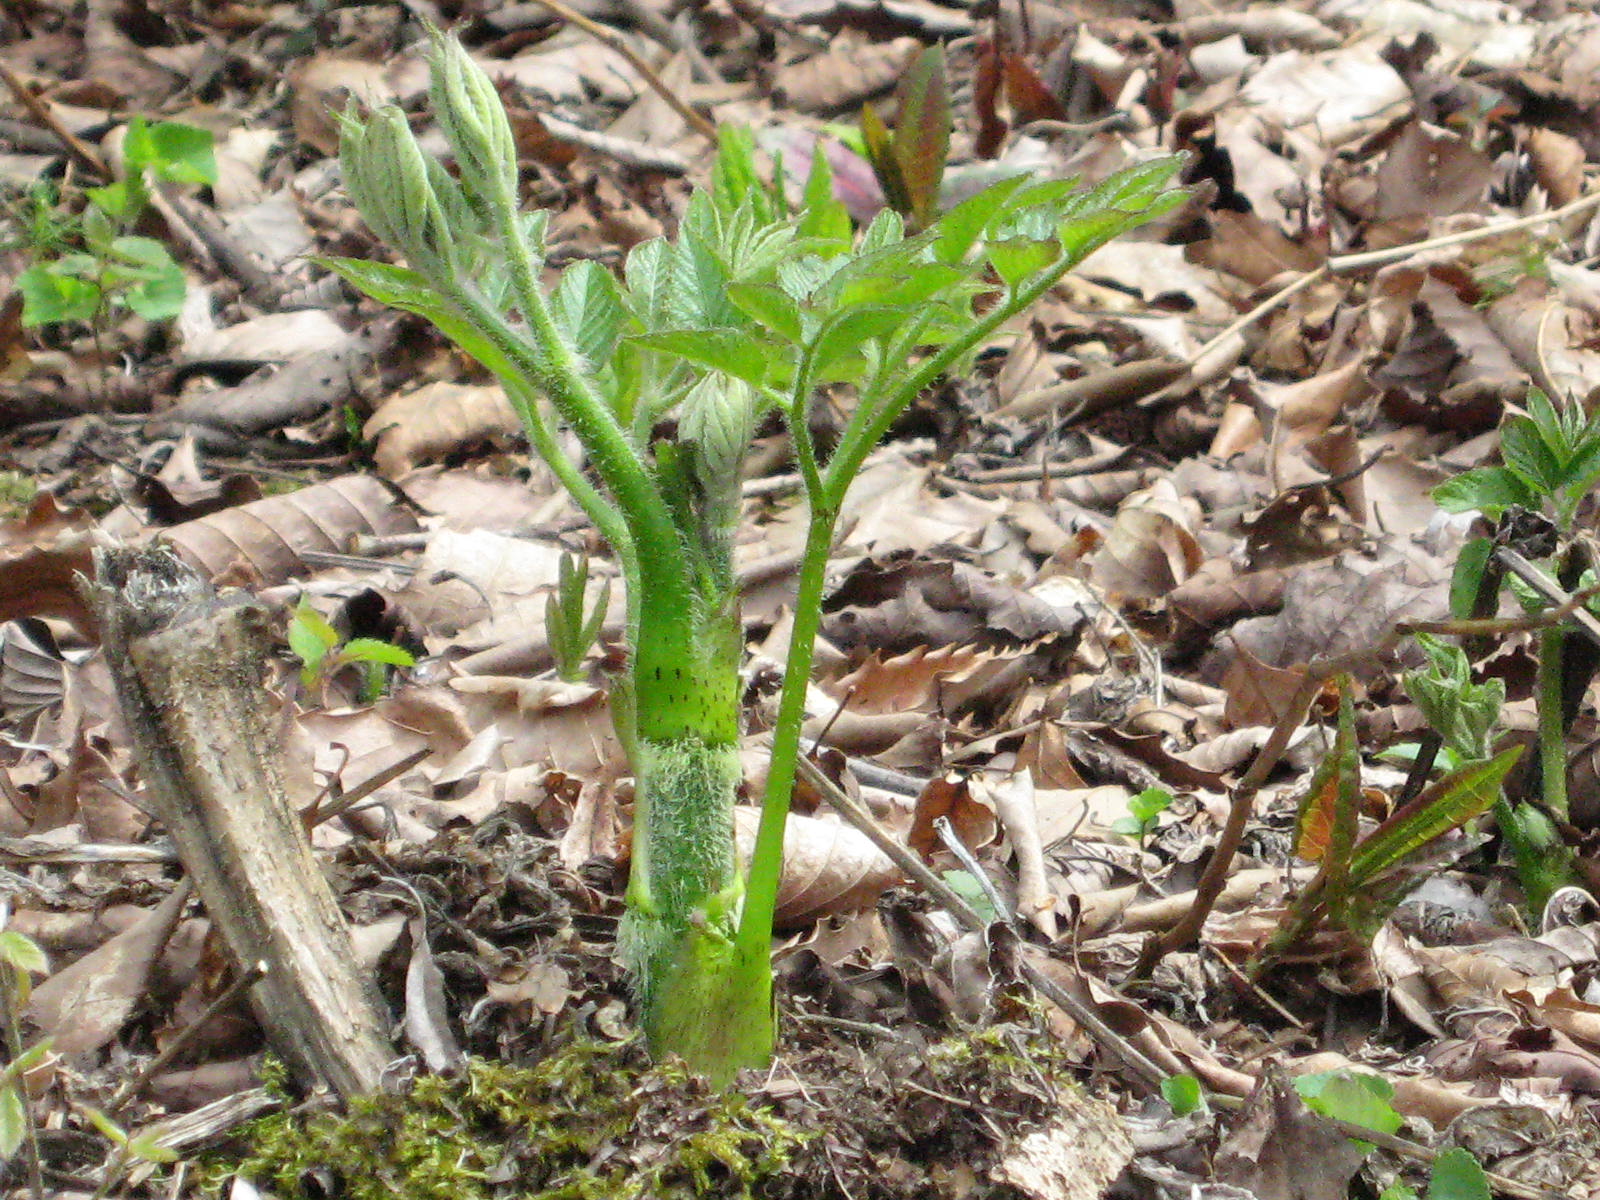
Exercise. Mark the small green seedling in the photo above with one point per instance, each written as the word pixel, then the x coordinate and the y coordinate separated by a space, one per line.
pixel 20 959
pixel 1355 1097
pixel 113 268
pixel 567 629
pixel 1184 1094
pixel 129 1149
pixel 323 654
pixel 1143 812
pixel 1456 1175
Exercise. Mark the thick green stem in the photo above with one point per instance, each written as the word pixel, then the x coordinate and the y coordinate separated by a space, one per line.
pixel 684 888
pixel 766 862
pixel 1552 732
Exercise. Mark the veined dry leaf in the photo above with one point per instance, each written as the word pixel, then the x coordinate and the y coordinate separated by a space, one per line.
pixel 263 540
pixel 1150 548
pixel 828 867
pixel 904 682
pixel 850 70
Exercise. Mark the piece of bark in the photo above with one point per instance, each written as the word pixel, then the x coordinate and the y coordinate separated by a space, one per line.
pixel 188 669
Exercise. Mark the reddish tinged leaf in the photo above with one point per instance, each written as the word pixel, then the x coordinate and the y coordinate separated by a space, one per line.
pixel 1330 811
pixel 922 133
pixel 992 127
pixel 1028 95
pixel 879 144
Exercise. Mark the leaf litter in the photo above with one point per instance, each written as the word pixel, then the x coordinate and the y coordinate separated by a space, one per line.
pixel 1125 554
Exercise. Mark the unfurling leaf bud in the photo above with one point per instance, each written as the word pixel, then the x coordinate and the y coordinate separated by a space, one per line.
pixel 718 417
pixel 388 177
pixel 352 162
pixel 472 117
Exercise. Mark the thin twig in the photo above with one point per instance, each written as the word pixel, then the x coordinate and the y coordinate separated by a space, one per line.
pixel 1148 1072
pixel 79 150
pixel 1552 592
pixel 1345 263
pixel 953 843
pixel 242 983
pixel 609 38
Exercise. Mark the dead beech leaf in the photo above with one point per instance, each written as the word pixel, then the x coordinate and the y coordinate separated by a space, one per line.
pixel 828 867
pixel 263 540
pixel 1248 248
pixel 427 1017
pixel 37 581
pixel 973 820
pixel 85 1005
pixel 1150 548
pixel 435 420
pixel 1430 173
pixel 904 682
pixel 851 69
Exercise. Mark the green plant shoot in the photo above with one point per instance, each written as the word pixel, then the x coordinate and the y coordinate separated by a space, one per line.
pixel 1143 811
pixel 569 632
pixel 1360 879
pixel 909 160
pixel 1550 458
pixel 323 654
pixel 752 308
pixel 116 268
pixel 20 959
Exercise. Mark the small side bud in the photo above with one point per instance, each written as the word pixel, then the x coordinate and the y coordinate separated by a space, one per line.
pixel 474 120
pixel 718 417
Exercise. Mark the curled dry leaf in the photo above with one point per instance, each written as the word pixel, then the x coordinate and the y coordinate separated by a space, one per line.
pixel 973 818
pixel 1150 548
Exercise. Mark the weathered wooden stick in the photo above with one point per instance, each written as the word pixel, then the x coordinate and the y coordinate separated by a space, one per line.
pixel 188 669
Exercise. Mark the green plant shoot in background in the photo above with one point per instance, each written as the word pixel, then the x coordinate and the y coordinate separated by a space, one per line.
pixel 115 267
pixel 752 308
pixel 569 632
pixel 323 654
pixel 1360 878
pixel 1550 463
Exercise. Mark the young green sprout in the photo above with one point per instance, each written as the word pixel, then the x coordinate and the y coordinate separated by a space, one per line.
pixel 752 308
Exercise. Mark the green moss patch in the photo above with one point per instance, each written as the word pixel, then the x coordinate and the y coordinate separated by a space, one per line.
pixel 591 1122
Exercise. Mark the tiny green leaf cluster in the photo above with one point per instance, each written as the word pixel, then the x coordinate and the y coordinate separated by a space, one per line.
pixel 1143 811
pixel 323 653
pixel 115 268
pixel 1550 457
